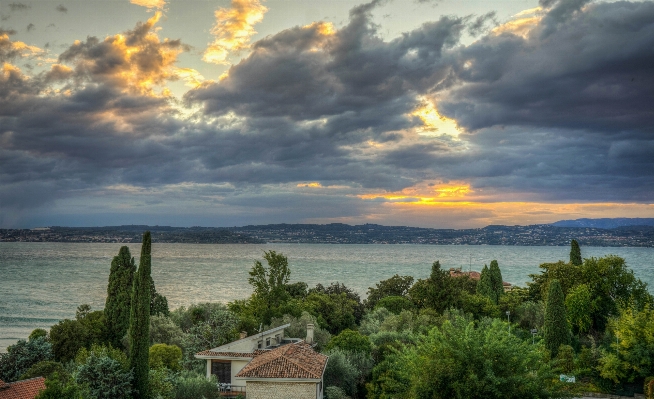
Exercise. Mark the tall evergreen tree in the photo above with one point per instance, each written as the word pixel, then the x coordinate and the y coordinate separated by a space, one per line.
pixel 555 328
pixel 119 295
pixel 497 286
pixel 139 323
pixel 575 253
pixel 485 286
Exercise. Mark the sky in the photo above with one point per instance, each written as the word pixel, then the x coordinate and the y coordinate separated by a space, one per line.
pixel 428 113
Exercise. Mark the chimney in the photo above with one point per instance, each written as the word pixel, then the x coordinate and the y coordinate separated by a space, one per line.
pixel 243 334
pixel 309 339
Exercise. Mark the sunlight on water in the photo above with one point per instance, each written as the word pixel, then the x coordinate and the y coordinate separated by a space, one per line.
pixel 41 283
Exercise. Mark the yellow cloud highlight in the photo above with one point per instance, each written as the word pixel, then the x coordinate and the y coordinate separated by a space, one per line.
pixel 310 185
pixel 158 4
pixel 521 24
pixel 10 49
pixel 140 61
pixel 433 122
pixel 191 77
pixel 426 194
pixel 233 29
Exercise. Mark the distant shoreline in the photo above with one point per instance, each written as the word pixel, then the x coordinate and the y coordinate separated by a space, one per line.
pixel 337 233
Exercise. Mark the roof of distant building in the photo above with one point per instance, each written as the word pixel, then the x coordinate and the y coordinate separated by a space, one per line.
pixel 296 361
pixel 25 389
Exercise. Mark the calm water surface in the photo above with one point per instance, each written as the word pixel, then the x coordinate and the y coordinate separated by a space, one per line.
pixel 41 283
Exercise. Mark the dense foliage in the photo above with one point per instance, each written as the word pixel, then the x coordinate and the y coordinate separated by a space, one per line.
pixel 21 356
pixel 445 336
pixel 464 359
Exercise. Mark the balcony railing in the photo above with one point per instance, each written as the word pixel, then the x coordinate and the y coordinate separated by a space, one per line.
pixel 231 391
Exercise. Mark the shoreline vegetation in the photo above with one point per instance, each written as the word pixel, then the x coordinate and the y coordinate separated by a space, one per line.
pixel 444 336
pixel 557 234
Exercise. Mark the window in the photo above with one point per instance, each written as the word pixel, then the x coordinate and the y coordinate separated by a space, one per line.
pixel 222 370
pixel 268 342
pixel 278 339
pixel 259 344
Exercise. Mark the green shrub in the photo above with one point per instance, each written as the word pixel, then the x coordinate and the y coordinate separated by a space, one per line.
pixel 46 369
pixel 194 386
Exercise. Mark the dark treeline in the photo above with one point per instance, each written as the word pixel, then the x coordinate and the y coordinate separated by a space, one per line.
pixel 445 336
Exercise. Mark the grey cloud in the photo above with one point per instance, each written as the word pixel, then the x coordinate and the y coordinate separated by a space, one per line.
pixel 61 8
pixel 592 72
pixel 30 27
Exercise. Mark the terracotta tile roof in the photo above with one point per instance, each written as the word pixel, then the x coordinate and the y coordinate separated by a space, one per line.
pixel 297 360
pixel 225 354
pixel 25 389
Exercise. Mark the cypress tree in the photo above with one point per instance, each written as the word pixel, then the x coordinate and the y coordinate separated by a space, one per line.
pixel 139 323
pixel 575 253
pixel 497 288
pixel 485 287
pixel 119 296
pixel 555 328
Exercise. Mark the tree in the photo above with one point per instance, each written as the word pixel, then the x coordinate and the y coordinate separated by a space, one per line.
pixel 46 369
pixel 58 387
pixel 633 358
pixel 464 360
pixel 575 253
pixel 485 286
pixel 347 370
pixel 351 341
pixel 612 286
pixel 67 337
pixel 119 295
pixel 340 288
pixel 334 312
pixel 165 356
pixel 139 322
pixel 394 286
pixel 579 308
pixel 163 330
pixel 497 284
pixel 439 292
pixel 269 286
pixel 555 327
pixel 395 304
pixel 23 355
pixel 219 329
pixel 105 377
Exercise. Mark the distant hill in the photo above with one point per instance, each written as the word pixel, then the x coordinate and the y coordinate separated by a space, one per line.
pixel 605 223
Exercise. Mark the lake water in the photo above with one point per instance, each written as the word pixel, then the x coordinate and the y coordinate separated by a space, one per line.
pixel 42 283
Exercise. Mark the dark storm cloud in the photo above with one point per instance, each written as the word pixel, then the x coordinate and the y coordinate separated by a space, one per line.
pixel 593 72
pixel 561 114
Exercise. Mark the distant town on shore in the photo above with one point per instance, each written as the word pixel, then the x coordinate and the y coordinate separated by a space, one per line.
pixel 617 232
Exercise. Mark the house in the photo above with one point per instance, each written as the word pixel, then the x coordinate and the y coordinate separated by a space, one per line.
pixel 25 389
pixel 268 365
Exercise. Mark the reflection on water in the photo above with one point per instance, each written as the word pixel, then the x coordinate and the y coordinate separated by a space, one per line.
pixel 44 282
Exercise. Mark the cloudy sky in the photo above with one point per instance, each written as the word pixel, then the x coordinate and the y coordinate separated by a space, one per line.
pixel 433 113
